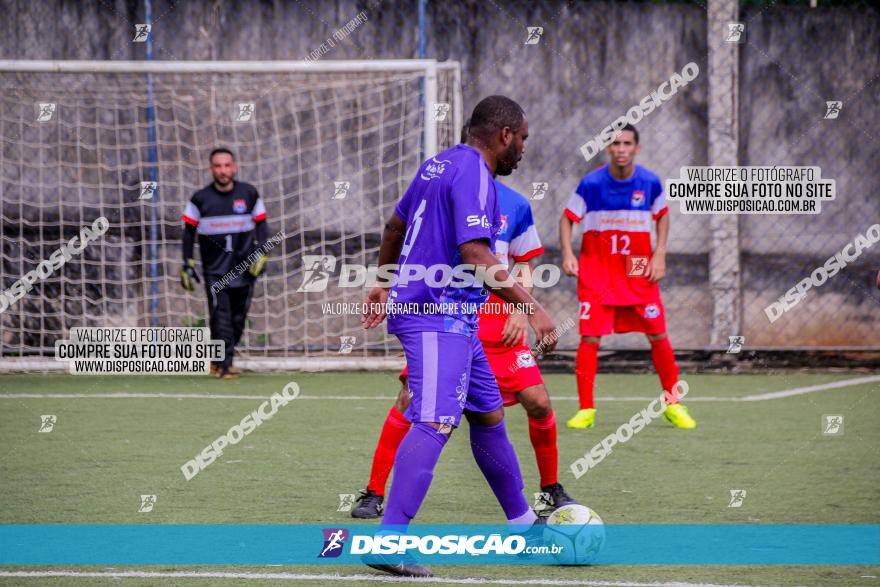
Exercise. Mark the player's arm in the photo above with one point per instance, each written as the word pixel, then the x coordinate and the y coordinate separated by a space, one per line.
pixel 477 253
pixel 569 260
pixel 574 212
pixel 188 275
pixel 261 235
pixel 189 242
pixel 473 224
pixel 657 266
pixel 518 322
pixel 389 252
pixel 660 212
pixel 524 249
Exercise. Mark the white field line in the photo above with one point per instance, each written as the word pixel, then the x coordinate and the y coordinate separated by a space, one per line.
pixel 385 398
pixel 344 578
pixel 810 389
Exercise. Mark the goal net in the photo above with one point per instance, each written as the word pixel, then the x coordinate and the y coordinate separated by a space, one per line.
pixel 331 147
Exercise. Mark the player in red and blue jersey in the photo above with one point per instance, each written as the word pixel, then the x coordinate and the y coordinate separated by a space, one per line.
pixel 450 217
pixel 617 272
pixel 503 336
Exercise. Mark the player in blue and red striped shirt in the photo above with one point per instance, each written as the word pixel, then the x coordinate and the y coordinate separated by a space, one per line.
pixel 617 271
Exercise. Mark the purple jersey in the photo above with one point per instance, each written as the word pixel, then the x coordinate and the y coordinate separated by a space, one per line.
pixel 452 200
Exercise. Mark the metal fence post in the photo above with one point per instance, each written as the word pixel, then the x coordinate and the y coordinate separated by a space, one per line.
pixel 724 253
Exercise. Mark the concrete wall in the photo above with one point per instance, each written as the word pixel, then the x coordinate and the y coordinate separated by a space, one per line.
pixel 594 61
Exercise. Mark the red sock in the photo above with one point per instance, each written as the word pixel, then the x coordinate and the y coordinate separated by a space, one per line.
pixel 542 432
pixel 585 371
pixel 664 362
pixel 393 430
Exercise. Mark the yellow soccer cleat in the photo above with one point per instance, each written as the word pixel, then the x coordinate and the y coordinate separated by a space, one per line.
pixel 678 416
pixel 583 419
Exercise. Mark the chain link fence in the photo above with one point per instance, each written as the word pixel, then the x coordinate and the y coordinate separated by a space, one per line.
pixel 767 73
pixel 761 99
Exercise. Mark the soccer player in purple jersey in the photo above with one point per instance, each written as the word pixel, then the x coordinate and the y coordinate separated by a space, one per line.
pixel 448 217
pixel 505 343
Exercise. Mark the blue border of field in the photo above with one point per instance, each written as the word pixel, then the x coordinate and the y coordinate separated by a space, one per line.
pixel 630 544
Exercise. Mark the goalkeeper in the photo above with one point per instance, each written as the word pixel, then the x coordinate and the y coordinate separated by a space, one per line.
pixel 230 219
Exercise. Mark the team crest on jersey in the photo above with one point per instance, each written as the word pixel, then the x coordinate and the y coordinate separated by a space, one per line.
pixel 652 311
pixel 638 198
pixel 239 206
pixel 434 169
pixel 503 228
pixel 525 359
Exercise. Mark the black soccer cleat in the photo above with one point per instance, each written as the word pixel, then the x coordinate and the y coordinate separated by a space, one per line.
pixel 556 497
pixel 370 505
pixel 402 565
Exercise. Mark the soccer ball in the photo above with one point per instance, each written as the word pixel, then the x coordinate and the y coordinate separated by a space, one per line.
pixel 579 532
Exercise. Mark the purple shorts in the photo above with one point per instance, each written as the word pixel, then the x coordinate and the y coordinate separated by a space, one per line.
pixel 448 373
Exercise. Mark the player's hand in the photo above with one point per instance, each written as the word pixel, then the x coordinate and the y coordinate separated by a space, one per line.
pixel 188 275
pixel 514 329
pixel 545 331
pixel 257 268
pixel 569 264
pixel 878 280
pixel 374 307
pixel 656 269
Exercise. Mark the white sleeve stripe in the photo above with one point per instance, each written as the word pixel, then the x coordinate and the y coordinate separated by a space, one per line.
pixel 526 242
pixel 576 205
pixel 259 208
pixel 192 212
pixel 658 204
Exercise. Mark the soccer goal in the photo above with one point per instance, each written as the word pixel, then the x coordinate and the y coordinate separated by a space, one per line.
pixel 330 145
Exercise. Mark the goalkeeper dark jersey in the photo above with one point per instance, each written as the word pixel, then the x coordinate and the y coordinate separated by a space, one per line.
pixel 226 223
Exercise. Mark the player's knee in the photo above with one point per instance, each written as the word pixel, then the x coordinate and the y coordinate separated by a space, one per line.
pixel 485 418
pixel 536 402
pixel 592 339
pixel 653 337
pixel 539 410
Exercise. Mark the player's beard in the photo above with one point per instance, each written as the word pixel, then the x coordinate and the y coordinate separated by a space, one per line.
pixel 226 181
pixel 506 162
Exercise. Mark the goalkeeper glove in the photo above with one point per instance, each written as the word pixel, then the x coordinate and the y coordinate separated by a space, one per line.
pixel 258 266
pixel 188 275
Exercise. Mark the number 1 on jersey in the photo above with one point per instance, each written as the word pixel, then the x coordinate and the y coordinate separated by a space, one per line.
pixel 413 231
pixel 228 243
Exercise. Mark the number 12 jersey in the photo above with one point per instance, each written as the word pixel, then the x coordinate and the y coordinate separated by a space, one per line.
pixel 616 220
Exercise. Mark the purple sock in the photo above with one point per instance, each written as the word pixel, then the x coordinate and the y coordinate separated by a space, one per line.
pixel 413 471
pixel 497 460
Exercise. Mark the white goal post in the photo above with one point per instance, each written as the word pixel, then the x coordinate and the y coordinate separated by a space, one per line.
pixel 81 138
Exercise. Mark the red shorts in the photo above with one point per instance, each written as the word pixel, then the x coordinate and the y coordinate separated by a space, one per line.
pixel 599 320
pixel 514 368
